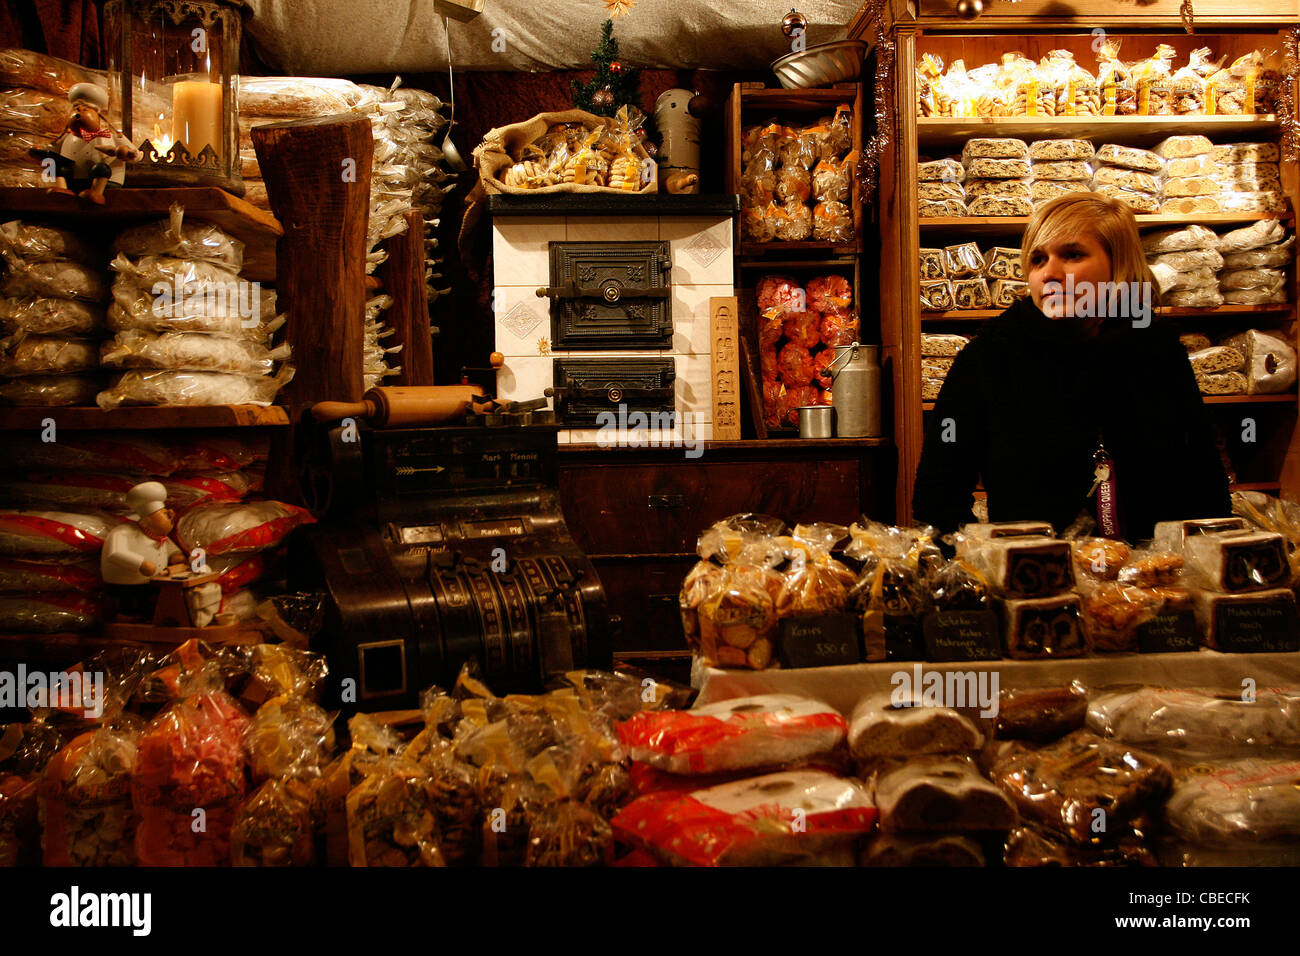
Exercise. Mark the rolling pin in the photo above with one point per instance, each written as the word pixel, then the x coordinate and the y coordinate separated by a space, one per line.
pixel 403 405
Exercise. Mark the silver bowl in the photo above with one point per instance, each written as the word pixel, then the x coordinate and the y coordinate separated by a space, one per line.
pixel 821 65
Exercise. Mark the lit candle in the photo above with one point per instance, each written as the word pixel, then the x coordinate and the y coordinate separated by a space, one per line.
pixel 196 115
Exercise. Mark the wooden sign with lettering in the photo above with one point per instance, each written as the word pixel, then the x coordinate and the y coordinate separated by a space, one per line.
pixel 724 346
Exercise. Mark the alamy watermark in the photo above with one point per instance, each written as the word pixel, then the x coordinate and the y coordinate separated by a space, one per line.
pixel 1083 300
pixel 954 689
pixel 64 690
pixel 638 429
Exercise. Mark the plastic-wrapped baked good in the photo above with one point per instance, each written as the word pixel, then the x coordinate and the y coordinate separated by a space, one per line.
pixel 143 387
pixel 744 733
pixel 793 184
pixel 942 345
pixel 1062 169
pixel 1130 158
pixel 51 613
pixel 46 316
pixel 1077 90
pixel 1061 149
pixel 1262 233
pixel 1138 202
pixel 1112 613
pixel 1064 784
pixel 174 238
pixel 183 351
pixel 1118 91
pixel 1267 201
pixel 937 794
pixel 935 368
pixel 781 293
pixel 34 111
pixel 1278 254
pixel 1194 342
pixel 1250 278
pixel 1245 153
pixel 938 192
pixel 1178 240
pixel 1197 721
pixel 1031 845
pixel 940 171
pixel 1242 804
pixel 1041 714
pixel 1045 190
pixel 1020 567
pixel 1010 188
pixel 1005 529
pixel 1174 147
pixel 892 724
pixel 1152 569
pixel 926 849
pixel 832 222
pixel 971 294
pixel 1190 186
pixel 39 243
pixel 1126 179
pixel 933 264
pixel 1238 561
pixel 937 296
pixel 390 818
pixel 1003 262
pixel 957 586
pixel 834 181
pixel 85 798
pixel 963 260
pixel 1217 358
pixel 1191 279
pixel 18 576
pixel 1246 177
pixel 50 390
pixel 1006 292
pixel 928 69
pixel 738 620
pixel 949 207
pixel 60 279
pixel 994 149
pixel 997 169
pixel 1190 260
pixel 1170 535
pixel 839 327
pixel 752 822
pixel 1246 87
pixel 1046 627
pixel 239 527
pixel 999 206
pixel 797 147
pixel 1154 79
pixel 275 826
pixel 46 355
pixel 1222 383
pixel 930 388
pixel 1189 83
pixel 1275 294
pixel 834 135
pixel 791 222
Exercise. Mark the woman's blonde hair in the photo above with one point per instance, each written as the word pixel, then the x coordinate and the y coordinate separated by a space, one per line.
pixel 1107 220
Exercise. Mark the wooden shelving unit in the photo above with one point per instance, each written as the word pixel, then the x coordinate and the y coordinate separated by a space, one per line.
pixel 144 418
pixel 901 31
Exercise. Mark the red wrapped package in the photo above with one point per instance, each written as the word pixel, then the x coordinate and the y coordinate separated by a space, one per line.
pixel 771 323
pixel 763 731
pixel 773 403
pixel 794 365
pixel 829 292
pixel 785 410
pixel 821 362
pixel 191 759
pixel 839 327
pixel 85 799
pixel 767 359
pixel 824 397
pixel 781 818
pixel 802 328
pixel 798 397
pixel 781 292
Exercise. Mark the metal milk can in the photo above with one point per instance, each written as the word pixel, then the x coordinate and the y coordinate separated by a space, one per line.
pixel 855 391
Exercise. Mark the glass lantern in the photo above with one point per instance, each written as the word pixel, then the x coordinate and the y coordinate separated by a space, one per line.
pixel 174 74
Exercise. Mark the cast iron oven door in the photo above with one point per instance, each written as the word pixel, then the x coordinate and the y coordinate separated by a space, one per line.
pixel 610 295
pixel 586 387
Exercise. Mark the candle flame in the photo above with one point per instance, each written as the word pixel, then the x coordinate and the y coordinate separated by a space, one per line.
pixel 162 141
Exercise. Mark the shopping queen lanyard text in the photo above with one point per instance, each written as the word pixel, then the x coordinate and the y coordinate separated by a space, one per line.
pixel 1103 486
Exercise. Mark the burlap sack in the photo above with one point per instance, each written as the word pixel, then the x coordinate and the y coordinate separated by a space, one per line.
pixel 504 146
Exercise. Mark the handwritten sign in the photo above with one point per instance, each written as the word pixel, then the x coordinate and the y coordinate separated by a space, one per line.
pixel 1169 632
pixel 819 640
pixel 1252 628
pixel 961 636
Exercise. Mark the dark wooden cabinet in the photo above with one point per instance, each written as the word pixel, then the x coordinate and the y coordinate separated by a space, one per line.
pixel 638 512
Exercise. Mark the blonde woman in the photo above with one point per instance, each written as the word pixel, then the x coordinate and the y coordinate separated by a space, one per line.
pixel 1076 401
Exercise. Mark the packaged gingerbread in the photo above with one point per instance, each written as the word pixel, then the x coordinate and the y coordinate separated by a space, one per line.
pixel 1118 90
pixel 1153 78
pixel 278 823
pixel 391 819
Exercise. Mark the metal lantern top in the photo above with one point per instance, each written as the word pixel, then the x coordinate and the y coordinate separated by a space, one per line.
pixel 174 71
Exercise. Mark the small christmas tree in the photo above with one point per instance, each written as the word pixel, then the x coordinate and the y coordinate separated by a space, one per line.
pixel 614 84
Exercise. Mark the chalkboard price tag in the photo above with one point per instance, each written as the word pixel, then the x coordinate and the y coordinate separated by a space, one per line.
pixel 1170 632
pixel 820 640
pixel 962 636
pixel 1255 628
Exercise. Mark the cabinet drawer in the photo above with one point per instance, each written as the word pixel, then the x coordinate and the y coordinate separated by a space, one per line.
pixel 644 594
pixel 652 508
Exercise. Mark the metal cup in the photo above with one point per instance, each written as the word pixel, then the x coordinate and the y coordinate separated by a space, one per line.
pixel 815 421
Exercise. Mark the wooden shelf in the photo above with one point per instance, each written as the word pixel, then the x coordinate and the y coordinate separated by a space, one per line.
pixel 1227 311
pixel 257 229
pixel 1009 225
pixel 951 130
pixel 782 99
pixel 761 250
pixel 145 417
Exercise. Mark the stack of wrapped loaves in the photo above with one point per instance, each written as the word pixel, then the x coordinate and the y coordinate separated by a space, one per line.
pixel 51 312
pixel 34 109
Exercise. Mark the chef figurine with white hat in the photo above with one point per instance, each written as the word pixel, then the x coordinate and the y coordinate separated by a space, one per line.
pixel 137 550
pixel 89 150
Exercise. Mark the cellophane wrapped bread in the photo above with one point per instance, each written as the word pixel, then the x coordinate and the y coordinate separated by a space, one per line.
pixel 1199 722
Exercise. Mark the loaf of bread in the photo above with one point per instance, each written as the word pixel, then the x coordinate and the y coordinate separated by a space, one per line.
pixel 1190 186
pixel 940 171
pixel 940 192
pixel 1217 358
pixel 1270 361
pixel 934 366
pixel 1170 535
pixel 999 206
pixel 1144 203
pixel 997 169
pixel 1223 383
pixel 1012 188
pixel 1264 201
pixel 1045 190
pixel 1040 713
pixel 1248 177
pixel 1245 153
pixel 1126 179
pixel 1189 260
pixel 1175 147
pixel 936 210
pixel 1007 292
pixel 1047 627
pixel 1021 567
pixel 936 296
pixel 932 265
pixel 1196 721
pixel 939 794
pixel 941 346
pixel 971 294
pixel 1180 240
pixel 1194 341
pixel 999 148
pixel 1059 149
pixel 1238 805
pixel 1062 170
pixel 1237 561
pixel 1201 165
pixel 879 727
pixel 930 388
pixel 1130 158
pixel 1003 262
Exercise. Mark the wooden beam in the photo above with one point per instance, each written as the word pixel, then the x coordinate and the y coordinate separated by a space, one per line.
pixel 409 314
